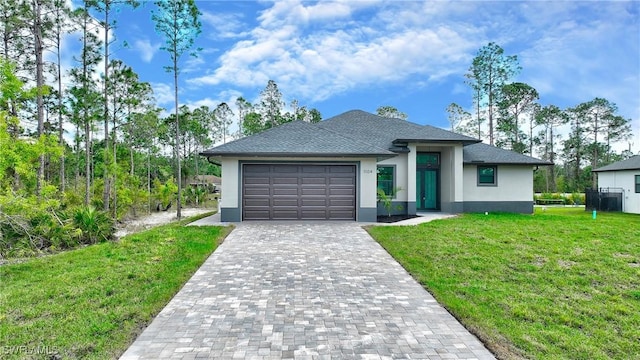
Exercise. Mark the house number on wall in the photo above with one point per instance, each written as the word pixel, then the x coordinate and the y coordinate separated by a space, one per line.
pixel 367 171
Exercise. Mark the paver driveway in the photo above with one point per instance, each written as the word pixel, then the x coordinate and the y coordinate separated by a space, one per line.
pixel 304 291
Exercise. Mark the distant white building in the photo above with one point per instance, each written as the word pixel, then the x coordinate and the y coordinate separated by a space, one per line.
pixel 624 175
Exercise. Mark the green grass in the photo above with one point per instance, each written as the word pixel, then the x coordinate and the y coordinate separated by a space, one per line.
pixel 91 303
pixel 553 285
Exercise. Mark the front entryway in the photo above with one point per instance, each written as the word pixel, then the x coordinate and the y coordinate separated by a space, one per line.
pixel 428 181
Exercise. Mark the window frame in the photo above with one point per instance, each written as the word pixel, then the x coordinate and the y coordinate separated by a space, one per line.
pixel 393 177
pixel 495 175
pixel 637 177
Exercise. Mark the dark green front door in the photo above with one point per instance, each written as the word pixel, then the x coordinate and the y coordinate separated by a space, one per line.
pixel 427 189
pixel 427 176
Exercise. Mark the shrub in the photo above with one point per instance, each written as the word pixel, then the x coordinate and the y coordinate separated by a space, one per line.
pixel 165 193
pixel 95 225
pixel 387 199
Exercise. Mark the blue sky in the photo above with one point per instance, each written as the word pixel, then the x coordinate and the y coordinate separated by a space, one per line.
pixel 343 55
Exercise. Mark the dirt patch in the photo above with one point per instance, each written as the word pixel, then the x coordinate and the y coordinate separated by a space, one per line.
pixel 154 219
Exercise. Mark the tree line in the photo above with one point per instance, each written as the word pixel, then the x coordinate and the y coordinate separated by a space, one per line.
pixel 508 114
pixel 84 148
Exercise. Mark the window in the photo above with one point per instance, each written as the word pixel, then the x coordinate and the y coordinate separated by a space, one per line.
pixel 637 183
pixel 428 160
pixel 386 178
pixel 487 175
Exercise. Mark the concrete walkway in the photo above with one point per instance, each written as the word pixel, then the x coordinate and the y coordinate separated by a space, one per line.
pixel 323 290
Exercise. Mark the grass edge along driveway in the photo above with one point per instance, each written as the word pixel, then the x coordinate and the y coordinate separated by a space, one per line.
pixel 556 284
pixel 93 302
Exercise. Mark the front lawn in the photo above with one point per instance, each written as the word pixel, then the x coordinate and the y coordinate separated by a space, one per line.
pixel 556 284
pixel 91 303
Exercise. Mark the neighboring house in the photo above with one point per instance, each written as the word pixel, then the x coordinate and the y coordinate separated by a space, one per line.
pixel 331 171
pixel 205 179
pixel 624 175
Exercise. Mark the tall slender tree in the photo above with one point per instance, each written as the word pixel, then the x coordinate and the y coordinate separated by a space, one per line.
pixel 616 128
pixel 108 23
pixel 37 26
pixel 457 116
pixel 61 26
pixel 516 100
pixel 177 21
pixel 271 105
pixel 244 107
pixel 224 118
pixel 83 93
pixel 594 115
pixel 16 43
pixel 489 71
pixel 550 117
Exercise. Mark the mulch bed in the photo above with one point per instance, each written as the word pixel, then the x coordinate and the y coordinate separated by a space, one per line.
pixel 394 218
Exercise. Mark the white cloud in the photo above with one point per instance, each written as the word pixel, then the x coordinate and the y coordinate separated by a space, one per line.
pixel 146 49
pixel 163 93
pixel 316 65
pixel 225 25
pixel 571 52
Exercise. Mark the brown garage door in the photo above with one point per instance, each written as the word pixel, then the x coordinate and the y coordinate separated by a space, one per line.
pixel 298 192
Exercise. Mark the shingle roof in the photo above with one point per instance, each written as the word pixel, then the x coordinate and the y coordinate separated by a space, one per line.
pixel 483 153
pixel 632 163
pixel 297 138
pixel 360 133
pixel 366 127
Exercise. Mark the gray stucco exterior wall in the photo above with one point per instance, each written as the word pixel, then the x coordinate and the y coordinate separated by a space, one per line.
pixel 367 215
pixel 524 207
pixel 230 215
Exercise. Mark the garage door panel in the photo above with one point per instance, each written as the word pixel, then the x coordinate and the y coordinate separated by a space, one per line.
pixel 313 214
pixel 341 191
pixel 285 214
pixel 298 192
pixel 322 202
pixel 257 180
pixel 256 214
pixel 341 181
pixel 342 202
pixel 285 202
pixel 284 169
pixel 285 191
pixel 313 191
pixel 313 180
pixel 293 180
pixel 256 169
pixel 305 169
pixel 256 191
pixel 252 202
pixel 342 214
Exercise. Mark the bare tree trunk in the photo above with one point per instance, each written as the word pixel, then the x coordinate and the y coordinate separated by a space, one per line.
pixel 37 32
pixel 87 145
pixel 60 125
pixel 149 180
pixel 115 161
pixel 177 144
pixel 107 185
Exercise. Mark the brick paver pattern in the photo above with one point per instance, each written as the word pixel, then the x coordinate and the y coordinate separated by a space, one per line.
pixel 303 291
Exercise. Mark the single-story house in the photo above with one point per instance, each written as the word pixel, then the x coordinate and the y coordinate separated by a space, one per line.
pixel 331 170
pixel 624 175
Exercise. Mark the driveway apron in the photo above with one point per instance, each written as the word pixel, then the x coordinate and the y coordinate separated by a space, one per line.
pixel 304 291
